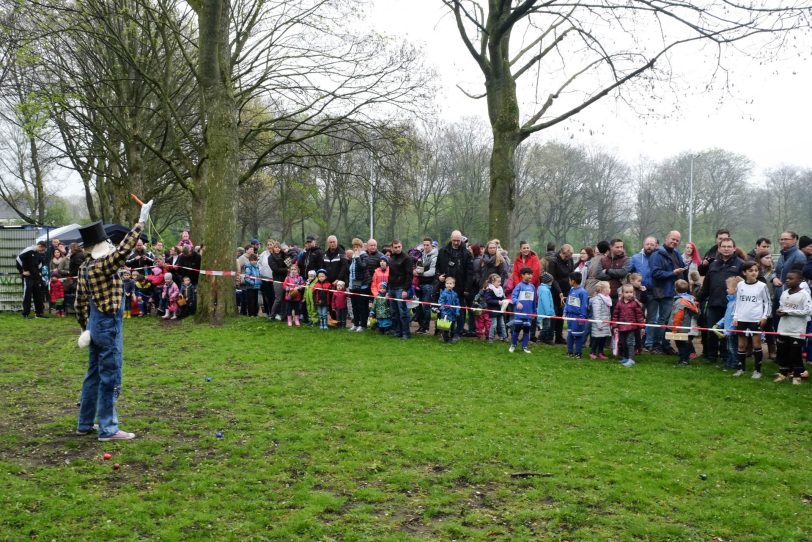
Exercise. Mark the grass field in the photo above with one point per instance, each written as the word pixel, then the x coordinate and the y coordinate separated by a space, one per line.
pixel 338 436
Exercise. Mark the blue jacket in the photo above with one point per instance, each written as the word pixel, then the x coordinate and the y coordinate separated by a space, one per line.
pixel 727 320
pixel 449 297
pixel 576 306
pixel 253 270
pixel 545 305
pixel 526 295
pixel 792 257
pixel 641 264
pixel 807 271
pixel 662 273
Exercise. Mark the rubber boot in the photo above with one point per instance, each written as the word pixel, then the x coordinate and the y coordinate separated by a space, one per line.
pixel 290 321
pixel 296 320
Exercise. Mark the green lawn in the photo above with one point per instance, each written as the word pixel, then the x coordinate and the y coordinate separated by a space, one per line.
pixel 339 436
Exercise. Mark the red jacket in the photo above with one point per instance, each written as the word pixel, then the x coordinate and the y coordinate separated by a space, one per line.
pixel 532 261
pixel 339 300
pixel 57 290
pixel 321 293
pixel 628 312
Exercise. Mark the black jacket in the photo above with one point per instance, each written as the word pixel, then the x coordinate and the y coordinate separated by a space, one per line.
pixel 279 269
pixel 310 260
pixel 714 289
pixel 373 262
pixel 335 263
pixel 30 260
pixel 560 270
pixel 457 263
pixel 400 271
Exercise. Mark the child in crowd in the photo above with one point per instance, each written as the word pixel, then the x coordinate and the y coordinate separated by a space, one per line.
pixel 57 293
pixel 546 308
pixel 251 282
pixel 682 320
pixel 494 296
pixel 628 311
pixel 188 293
pixel 143 291
pixel 726 323
pixel 156 278
pixel 696 282
pixel 753 306
pixel 524 303
pixel 795 310
pixel 641 295
pixel 576 309
pixel 601 304
pixel 321 297
pixel 380 275
pixel 482 318
pixel 128 285
pixel 381 309
pixel 449 307
pixel 169 297
pixel 339 304
pixel 311 315
pixel 293 286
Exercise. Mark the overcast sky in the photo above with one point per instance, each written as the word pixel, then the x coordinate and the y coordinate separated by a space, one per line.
pixel 764 119
pixel 767 118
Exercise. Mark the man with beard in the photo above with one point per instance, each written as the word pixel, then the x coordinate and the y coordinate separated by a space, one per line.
pixel 454 260
pixel 614 267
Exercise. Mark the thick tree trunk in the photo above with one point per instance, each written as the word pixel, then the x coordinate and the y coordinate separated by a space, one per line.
pixel 503 111
pixel 216 294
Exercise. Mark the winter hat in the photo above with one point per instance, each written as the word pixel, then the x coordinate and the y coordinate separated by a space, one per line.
pixel 311 274
pixel 383 286
pixel 167 276
pixel 546 278
pixel 320 271
pixel 804 241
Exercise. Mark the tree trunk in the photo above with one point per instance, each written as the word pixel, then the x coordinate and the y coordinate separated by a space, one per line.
pixel 503 111
pixel 216 295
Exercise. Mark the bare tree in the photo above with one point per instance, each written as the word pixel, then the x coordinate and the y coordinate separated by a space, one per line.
pixel 576 53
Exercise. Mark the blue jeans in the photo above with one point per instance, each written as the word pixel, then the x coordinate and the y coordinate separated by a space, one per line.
pixel 732 354
pixel 324 312
pixel 400 313
pixel 423 312
pixel 497 325
pixel 657 334
pixel 102 384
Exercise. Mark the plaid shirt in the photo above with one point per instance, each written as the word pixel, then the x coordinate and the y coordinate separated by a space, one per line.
pixel 100 279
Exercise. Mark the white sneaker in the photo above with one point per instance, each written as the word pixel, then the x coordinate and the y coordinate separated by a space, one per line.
pixel 756 375
pixel 277 318
pixel 512 349
pixel 526 351
pixel 359 329
pixel 738 373
pixel 352 328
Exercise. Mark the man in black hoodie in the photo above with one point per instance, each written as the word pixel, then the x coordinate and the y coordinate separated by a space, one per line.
pixel 714 292
pixel 400 280
pixel 312 257
pixel 29 262
pixel 454 260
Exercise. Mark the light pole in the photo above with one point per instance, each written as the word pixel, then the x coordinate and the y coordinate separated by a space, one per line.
pixel 691 202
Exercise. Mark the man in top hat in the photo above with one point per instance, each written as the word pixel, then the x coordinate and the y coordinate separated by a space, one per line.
pixel 99 310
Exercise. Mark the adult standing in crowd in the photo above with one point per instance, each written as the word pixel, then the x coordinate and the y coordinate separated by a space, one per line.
pixel 710 255
pixel 526 258
pixel 666 269
pixel 762 245
pixel 425 271
pixel 189 262
pixel 373 262
pixel 791 257
pixel 278 262
pixel 77 256
pixel 29 264
pixel 560 266
pixel 805 246
pixel 335 261
pixel 400 280
pixel 766 273
pixel 493 262
pixel 140 259
pixel 584 259
pixel 614 267
pixel 266 288
pixel 593 268
pixel 640 263
pixel 358 286
pixel 99 311
pixel 312 257
pixel 714 293
pixel 454 260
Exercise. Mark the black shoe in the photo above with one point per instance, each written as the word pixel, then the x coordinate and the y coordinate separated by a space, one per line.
pixel 669 352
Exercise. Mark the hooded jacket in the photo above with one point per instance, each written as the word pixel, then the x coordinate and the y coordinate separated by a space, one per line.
pixel 532 261
pixel 457 263
pixel 662 267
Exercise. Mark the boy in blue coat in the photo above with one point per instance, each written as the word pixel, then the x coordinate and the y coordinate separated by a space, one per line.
pixel 577 306
pixel 524 303
pixel 545 307
pixel 449 307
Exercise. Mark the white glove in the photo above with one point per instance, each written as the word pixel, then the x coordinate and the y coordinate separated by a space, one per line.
pixel 84 339
pixel 145 209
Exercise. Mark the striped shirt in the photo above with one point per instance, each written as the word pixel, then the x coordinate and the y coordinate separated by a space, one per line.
pixel 100 279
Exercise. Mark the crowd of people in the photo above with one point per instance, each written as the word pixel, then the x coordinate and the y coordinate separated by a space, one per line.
pixel 653 300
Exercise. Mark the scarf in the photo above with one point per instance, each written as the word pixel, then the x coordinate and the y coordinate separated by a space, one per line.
pixel 497 290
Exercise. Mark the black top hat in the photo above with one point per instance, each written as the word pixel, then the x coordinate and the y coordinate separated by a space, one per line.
pixel 93 234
